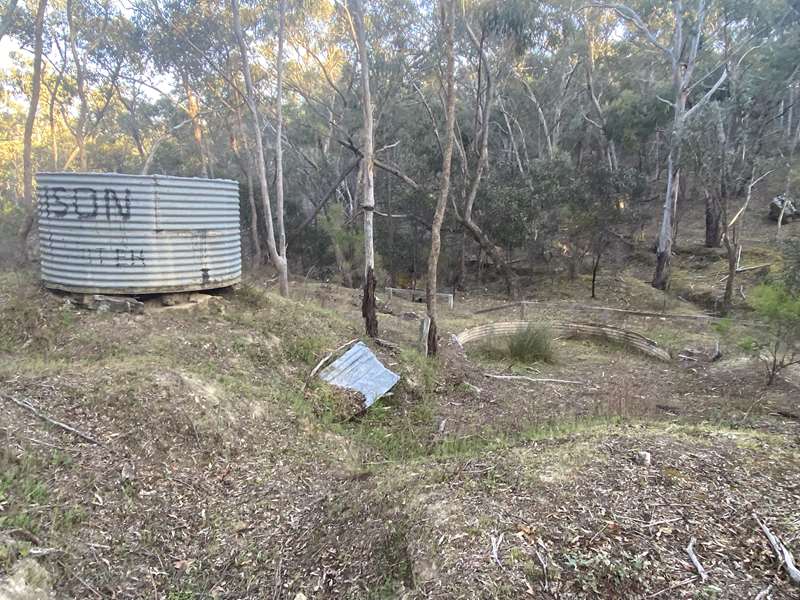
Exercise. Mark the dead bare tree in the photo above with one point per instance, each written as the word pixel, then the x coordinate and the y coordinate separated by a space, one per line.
pixel 732 246
pixel 447 9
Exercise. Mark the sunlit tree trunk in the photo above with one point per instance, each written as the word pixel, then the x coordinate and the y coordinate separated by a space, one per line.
pixel 250 98
pixel 448 9
pixel 193 112
pixel 27 141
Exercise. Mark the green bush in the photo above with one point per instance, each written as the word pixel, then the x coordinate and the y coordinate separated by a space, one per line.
pixel 777 344
pixel 532 344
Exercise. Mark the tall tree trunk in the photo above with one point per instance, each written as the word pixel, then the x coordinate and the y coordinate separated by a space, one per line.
pixel 448 14
pixel 250 98
pixel 666 229
pixel 80 82
pixel 368 186
pixel 283 276
pixel 254 238
pixel 713 225
pixel 247 166
pixel 193 112
pixel 27 141
pixel 484 112
pixel 609 149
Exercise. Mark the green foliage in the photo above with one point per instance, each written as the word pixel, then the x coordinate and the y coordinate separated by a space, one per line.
pixel 777 343
pixel 533 344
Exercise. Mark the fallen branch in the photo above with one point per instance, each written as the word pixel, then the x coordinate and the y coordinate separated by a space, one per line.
pixel 696 561
pixel 782 552
pixel 745 269
pixel 328 356
pixel 534 380
pixel 30 408
pixel 387 344
pixel 637 313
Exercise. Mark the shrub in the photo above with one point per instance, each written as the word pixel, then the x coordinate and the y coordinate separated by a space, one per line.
pixel 532 344
pixel 777 344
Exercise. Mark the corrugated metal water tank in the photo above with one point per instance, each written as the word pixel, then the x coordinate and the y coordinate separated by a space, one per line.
pixel 138 234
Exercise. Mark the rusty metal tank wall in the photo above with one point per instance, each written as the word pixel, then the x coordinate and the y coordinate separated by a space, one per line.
pixel 138 234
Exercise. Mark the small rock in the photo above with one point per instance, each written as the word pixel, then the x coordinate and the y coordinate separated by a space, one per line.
pixel 409 316
pixel 114 304
pixel 175 298
pixel 643 458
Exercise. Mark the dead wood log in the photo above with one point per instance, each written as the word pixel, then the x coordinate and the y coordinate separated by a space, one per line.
pixel 783 554
pixel 696 561
pixel 30 408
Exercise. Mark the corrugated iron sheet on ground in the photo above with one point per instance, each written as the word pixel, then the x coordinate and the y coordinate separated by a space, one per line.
pixel 107 233
pixel 360 370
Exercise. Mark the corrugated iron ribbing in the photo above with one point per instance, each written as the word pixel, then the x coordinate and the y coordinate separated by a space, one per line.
pixel 138 234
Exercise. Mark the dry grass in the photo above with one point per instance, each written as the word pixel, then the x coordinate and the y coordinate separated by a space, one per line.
pixel 223 474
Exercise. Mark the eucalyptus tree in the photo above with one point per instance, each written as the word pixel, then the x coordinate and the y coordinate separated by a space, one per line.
pixel 279 262
pixel 680 50
pixel 367 170
pixel 33 105
pixel 448 17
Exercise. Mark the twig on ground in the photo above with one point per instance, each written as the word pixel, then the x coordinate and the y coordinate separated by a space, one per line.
pixel 696 561
pixel 30 408
pixel 496 541
pixel 782 552
pixel 534 379
pixel 543 562
pixel 677 584
pixel 764 593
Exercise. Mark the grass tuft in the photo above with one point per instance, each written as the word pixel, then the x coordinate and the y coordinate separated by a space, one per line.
pixel 531 345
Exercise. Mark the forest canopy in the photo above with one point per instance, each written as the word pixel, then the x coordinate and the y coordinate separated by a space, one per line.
pixel 534 135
